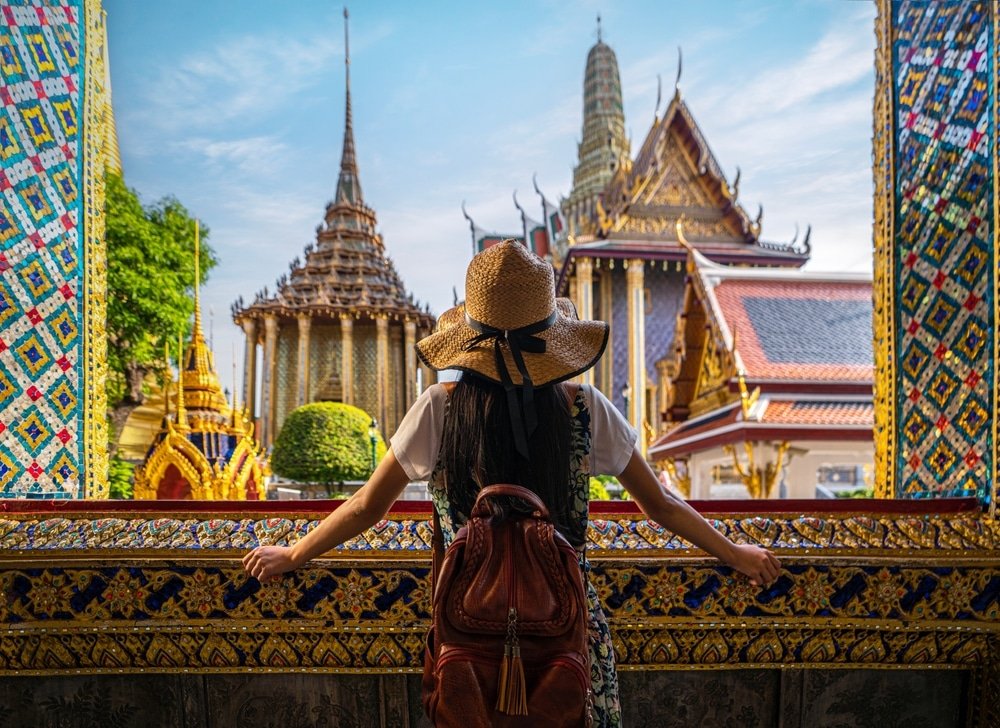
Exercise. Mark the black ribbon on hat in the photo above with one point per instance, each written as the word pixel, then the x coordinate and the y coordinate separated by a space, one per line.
pixel 523 418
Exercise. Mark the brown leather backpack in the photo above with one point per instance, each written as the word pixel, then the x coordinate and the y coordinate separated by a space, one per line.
pixel 508 643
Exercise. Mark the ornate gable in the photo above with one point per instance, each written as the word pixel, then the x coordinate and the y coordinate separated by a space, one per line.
pixel 675 175
pixel 703 362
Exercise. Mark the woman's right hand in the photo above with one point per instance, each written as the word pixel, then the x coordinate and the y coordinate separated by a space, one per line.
pixel 755 562
pixel 268 563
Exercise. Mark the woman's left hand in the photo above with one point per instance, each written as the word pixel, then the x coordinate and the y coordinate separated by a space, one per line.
pixel 267 563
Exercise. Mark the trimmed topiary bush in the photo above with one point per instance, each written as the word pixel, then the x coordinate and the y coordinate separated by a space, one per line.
pixel 325 442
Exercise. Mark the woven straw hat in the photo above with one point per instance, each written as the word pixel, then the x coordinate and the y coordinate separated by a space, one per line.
pixel 510 299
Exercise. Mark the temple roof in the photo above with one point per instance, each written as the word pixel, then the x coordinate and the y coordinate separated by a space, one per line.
pixel 346 271
pixel 802 341
pixel 796 327
pixel 772 419
pixel 675 176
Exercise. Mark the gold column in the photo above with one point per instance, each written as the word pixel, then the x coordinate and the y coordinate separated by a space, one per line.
pixel 347 358
pixel 883 284
pixel 585 301
pixel 382 369
pixel 410 357
pixel 662 395
pixel 636 343
pixel 269 380
pixel 250 368
pixel 302 368
pixel 607 364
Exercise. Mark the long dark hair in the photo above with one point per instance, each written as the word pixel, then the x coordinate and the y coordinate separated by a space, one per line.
pixel 477 449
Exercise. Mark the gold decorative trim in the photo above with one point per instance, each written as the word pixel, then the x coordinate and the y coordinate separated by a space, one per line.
pixel 93 365
pixel 108 615
pixel 883 284
pixel 995 394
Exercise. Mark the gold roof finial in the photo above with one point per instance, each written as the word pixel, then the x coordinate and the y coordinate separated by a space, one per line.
pixel 680 67
pixel 166 385
pixel 197 364
pixel 182 423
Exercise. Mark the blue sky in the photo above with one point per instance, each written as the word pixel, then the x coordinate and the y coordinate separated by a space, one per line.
pixel 237 109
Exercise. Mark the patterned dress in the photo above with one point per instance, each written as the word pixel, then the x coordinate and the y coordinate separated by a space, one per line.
pixel 604 678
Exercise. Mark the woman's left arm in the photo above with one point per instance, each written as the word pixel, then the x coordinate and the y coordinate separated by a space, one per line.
pixel 359 512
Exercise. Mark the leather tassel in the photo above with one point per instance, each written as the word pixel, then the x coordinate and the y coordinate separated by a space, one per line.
pixel 512 693
pixel 503 696
pixel 518 692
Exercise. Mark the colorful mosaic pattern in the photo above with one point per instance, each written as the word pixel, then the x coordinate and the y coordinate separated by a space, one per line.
pixel 141 593
pixel 372 617
pixel 944 76
pixel 45 239
pixel 607 537
pixel 397 594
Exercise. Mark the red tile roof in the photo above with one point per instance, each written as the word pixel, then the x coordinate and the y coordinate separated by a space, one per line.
pixel 803 329
pixel 823 414
pixel 779 419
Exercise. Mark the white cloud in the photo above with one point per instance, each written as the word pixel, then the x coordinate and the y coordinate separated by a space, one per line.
pixel 251 75
pixel 256 154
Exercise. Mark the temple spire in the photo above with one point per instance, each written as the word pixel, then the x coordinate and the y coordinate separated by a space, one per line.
pixel 349 184
pixel 197 366
pixel 197 277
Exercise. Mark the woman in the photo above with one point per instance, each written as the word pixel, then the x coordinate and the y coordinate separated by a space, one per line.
pixel 512 419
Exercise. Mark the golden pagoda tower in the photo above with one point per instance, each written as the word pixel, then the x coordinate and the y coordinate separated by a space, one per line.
pixel 207 450
pixel 340 326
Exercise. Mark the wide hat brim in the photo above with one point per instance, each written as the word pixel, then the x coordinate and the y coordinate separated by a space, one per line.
pixel 571 348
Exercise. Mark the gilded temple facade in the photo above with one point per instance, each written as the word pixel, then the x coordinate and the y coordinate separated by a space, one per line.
pixel 624 262
pixel 206 449
pixel 340 326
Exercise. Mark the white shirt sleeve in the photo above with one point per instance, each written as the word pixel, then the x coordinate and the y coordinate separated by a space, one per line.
pixel 418 438
pixel 612 439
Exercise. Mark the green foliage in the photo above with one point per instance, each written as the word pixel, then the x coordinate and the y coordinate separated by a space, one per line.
pixel 619 492
pixel 325 442
pixel 150 284
pixel 598 491
pixel 857 493
pixel 120 484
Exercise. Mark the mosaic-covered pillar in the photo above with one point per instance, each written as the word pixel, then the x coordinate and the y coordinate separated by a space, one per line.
pixel 53 136
pixel 347 358
pixel 382 382
pixel 410 362
pixel 936 275
pixel 634 277
pixel 269 381
pixel 250 368
pixel 302 367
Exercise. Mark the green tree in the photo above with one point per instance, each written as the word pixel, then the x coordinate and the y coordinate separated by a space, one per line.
pixel 325 442
pixel 120 482
pixel 150 292
pixel 598 491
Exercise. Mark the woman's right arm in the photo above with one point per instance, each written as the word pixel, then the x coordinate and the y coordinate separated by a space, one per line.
pixel 677 516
